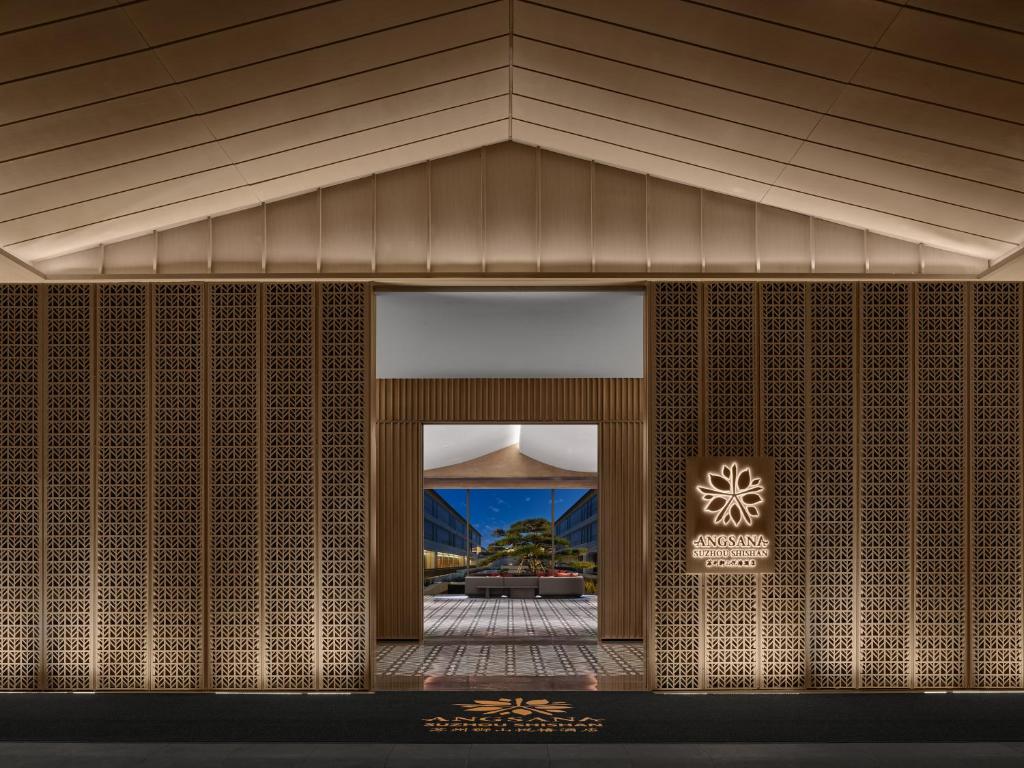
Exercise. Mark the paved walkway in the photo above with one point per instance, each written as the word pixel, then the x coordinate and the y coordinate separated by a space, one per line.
pixel 502 618
pixel 504 643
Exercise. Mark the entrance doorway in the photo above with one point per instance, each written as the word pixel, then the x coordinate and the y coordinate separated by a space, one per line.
pixel 510 566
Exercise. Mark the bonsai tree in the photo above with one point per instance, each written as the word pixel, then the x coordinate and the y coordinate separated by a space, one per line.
pixel 529 543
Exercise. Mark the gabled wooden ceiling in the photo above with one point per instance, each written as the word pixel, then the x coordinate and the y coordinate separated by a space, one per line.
pixel 122 118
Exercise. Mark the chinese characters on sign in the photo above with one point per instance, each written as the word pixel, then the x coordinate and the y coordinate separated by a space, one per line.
pixel 511 716
pixel 730 515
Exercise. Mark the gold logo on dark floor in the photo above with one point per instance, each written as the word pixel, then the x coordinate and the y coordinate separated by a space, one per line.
pixel 514 715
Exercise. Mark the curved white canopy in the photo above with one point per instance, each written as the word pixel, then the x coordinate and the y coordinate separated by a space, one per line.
pixel 565 446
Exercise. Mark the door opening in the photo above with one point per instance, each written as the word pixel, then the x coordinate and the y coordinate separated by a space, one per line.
pixel 510 568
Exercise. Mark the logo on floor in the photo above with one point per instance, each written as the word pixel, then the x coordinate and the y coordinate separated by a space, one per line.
pixel 514 716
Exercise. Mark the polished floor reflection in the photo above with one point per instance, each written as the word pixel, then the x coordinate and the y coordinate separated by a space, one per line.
pixel 502 643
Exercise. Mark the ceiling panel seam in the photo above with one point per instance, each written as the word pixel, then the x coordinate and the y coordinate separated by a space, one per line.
pixel 845 41
pixel 746 178
pixel 835 99
pixel 779 102
pixel 775 132
pixel 789 163
pixel 159 46
pixel 232 164
pixel 271 59
pixel 273 178
pixel 253 131
pixel 765 63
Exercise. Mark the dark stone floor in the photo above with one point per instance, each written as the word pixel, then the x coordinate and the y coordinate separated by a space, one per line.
pixel 158 755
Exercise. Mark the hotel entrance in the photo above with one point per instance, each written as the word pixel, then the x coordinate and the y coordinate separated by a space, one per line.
pixel 510 511
pixel 510 571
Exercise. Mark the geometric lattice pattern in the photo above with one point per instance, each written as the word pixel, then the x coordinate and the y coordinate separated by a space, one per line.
pixel 68 581
pixel 831 598
pixel 784 372
pixel 731 630
pixel 188 510
pixel 940 535
pixel 177 466
pixel 893 412
pixel 344 587
pixel 235 540
pixel 122 513
pixel 885 516
pixel 675 410
pixel 997 609
pixel 289 520
pixel 19 487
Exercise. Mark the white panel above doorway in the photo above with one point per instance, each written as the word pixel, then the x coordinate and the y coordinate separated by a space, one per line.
pixel 509 334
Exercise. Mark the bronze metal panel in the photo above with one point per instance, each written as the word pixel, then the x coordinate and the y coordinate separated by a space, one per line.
pixel 289 470
pixel 832 578
pixel 674 416
pixel 565 209
pixel 941 529
pixel 68 549
pixel 620 207
pixel 783 371
pixel 122 512
pixel 235 595
pixel 456 213
pixel 20 555
pixel 886 482
pixel 402 219
pixel 511 234
pixel 997 599
pixel 177 534
pixel 731 612
pixel 344 460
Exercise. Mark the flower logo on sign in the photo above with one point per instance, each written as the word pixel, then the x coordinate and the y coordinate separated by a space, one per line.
pixel 733 495
pixel 517 706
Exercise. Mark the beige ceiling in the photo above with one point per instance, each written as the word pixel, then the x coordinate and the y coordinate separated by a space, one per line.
pixel 119 119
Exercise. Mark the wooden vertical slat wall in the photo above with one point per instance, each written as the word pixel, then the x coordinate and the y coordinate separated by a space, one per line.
pixel 399 558
pixel 620 603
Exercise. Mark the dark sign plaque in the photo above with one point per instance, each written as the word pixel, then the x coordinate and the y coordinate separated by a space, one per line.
pixel 730 514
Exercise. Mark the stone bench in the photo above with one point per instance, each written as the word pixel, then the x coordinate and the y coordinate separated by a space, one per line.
pixel 524 586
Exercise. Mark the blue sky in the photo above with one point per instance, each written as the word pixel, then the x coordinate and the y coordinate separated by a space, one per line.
pixel 499 508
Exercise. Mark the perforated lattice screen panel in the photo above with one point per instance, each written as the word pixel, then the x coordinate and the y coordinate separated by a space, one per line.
pixel 67 583
pixel 996 600
pixel 184 485
pixel 940 534
pixel 178 500
pixel 19 487
pixel 894 414
pixel 784 372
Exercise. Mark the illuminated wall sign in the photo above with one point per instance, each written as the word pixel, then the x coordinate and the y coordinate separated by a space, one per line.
pixel 730 515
